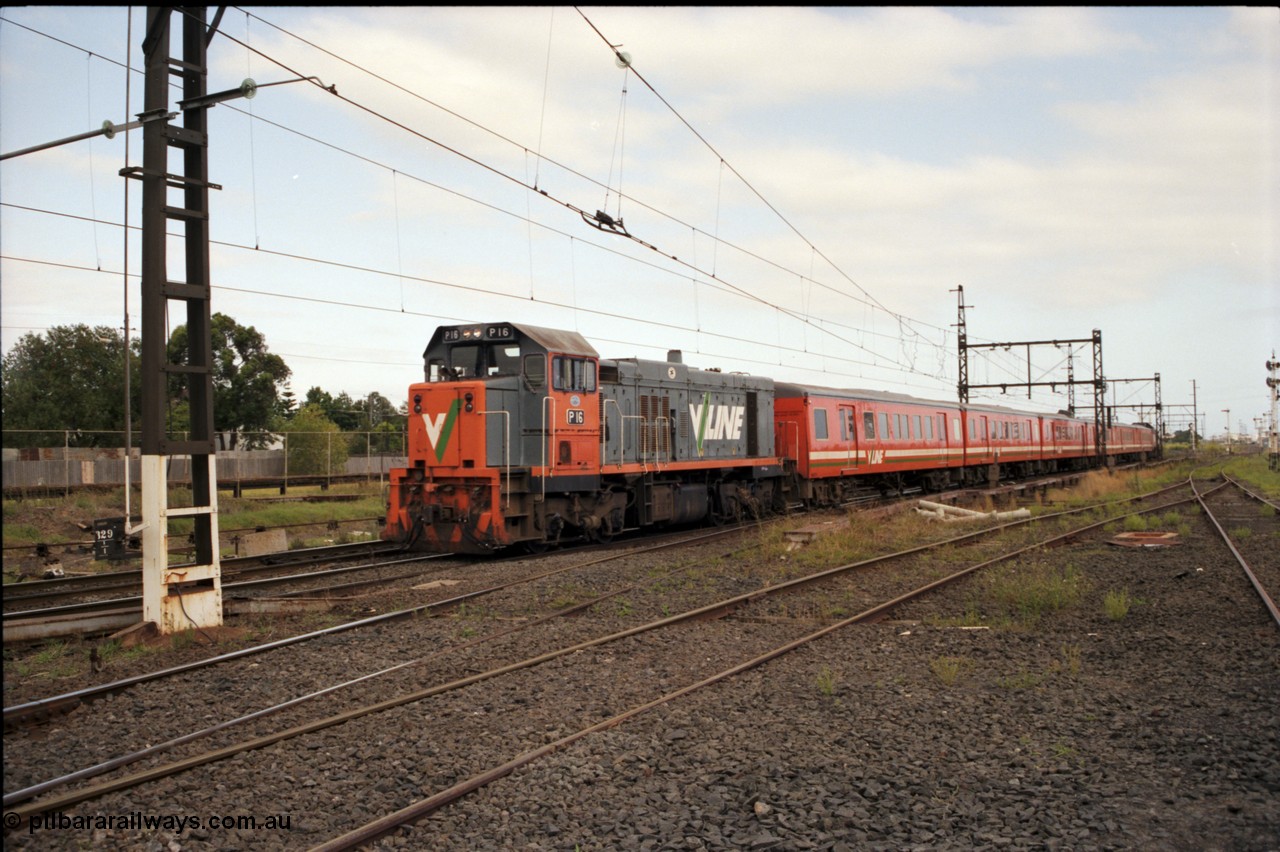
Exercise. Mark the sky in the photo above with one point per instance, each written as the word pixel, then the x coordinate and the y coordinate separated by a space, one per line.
pixel 802 190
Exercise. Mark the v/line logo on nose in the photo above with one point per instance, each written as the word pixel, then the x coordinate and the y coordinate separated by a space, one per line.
pixel 440 426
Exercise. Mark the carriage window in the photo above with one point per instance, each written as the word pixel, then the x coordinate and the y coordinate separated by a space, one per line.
pixel 868 424
pixel 820 423
pixel 884 425
pixel 915 427
pixel 973 430
pixel 929 423
pixel 955 428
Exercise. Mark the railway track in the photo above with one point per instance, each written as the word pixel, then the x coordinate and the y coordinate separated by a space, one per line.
pixel 904 589
pixel 29 595
pixel 1249 526
pixel 77 606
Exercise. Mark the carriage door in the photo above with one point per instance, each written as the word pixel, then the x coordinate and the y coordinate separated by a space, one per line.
pixel 848 437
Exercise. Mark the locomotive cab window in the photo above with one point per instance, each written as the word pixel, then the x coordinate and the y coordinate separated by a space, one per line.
pixel 535 371
pixel 503 360
pixel 573 374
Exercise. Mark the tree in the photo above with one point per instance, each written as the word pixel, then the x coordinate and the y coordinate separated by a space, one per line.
pixel 248 381
pixel 316 444
pixel 70 378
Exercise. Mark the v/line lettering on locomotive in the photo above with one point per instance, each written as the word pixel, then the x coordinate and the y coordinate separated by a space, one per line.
pixel 716 422
pixel 555 443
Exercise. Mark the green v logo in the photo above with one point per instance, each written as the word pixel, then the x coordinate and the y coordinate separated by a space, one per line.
pixel 440 427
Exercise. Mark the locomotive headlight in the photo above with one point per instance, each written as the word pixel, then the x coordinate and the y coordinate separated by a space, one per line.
pixel 470 398
pixel 417 403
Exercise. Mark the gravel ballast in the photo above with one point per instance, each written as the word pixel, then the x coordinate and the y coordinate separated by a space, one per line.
pixel 1157 730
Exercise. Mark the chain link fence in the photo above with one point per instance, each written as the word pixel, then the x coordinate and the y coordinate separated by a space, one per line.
pixel 296 455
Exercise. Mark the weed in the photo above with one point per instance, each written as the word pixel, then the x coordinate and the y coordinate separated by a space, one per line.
pixel 1116 604
pixel 1071 659
pixel 1022 680
pixel 1033 590
pixel 948 669
pixel 826 681
pixel 1062 750
pixel 1241 533
pixel 1172 518
pixel 1135 523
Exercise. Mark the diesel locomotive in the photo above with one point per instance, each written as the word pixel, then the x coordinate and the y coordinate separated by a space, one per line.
pixel 522 435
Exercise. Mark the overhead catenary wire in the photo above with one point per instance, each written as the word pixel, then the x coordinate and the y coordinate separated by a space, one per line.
pixel 717 240
pixel 823 325
pixel 575 173
pixel 478 290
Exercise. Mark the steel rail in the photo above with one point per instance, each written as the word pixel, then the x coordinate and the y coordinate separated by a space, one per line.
pixel 1260 498
pixel 244 585
pixel 714 610
pixel 34 710
pixel 1266 599
pixel 233 566
pixel 380 827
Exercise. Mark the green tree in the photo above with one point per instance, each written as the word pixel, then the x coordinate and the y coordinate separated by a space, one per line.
pixel 69 378
pixel 316 444
pixel 248 381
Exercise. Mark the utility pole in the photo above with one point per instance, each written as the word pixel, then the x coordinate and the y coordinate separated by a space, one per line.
pixel 1194 424
pixel 177 598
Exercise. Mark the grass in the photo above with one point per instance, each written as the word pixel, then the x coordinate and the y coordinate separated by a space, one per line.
pixel 1116 604
pixel 827 682
pixel 1135 523
pixel 52 520
pixel 1028 592
pixel 949 669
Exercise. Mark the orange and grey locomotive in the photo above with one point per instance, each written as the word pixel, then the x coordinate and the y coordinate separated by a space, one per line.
pixel 523 435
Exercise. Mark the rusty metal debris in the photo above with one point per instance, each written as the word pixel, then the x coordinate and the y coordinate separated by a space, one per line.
pixel 1146 539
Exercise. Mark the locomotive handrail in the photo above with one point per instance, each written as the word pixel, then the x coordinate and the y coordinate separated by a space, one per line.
pixel 547 440
pixel 639 439
pixel 661 433
pixel 506 452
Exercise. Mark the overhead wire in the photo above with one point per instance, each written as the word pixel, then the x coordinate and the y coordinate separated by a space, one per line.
pixel 814 249
pixel 332 90
pixel 541 157
pixel 513 179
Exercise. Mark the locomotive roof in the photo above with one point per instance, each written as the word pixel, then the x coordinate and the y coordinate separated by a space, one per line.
pixel 550 339
pixel 556 340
